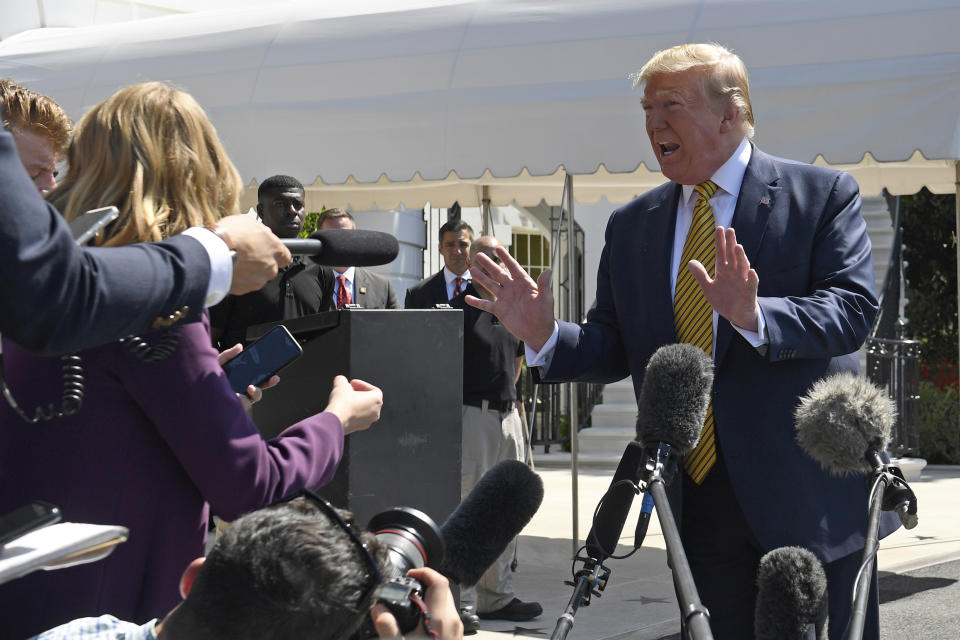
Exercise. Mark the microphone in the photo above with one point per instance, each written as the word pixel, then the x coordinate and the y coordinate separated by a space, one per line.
pixel 494 512
pixel 843 422
pixel 674 397
pixel 671 408
pixel 791 596
pixel 615 505
pixel 355 247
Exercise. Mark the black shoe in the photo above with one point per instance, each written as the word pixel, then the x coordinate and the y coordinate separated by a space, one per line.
pixel 471 623
pixel 516 610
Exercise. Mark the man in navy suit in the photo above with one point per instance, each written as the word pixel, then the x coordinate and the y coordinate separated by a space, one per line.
pixel 791 298
pixel 56 297
pixel 442 287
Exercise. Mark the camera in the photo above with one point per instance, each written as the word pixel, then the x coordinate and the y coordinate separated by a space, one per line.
pixel 413 540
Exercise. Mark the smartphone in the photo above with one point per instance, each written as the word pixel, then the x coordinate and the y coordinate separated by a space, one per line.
pixel 258 361
pixel 25 519
pixel 85 226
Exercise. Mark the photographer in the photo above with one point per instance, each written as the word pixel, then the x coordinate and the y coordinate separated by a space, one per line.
pixel 297 569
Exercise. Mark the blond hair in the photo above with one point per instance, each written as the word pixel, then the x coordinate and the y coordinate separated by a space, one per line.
pixel 32 111
pixel 149 150
pixel 724 75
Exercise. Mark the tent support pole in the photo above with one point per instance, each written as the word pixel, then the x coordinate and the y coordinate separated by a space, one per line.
pixel 572 288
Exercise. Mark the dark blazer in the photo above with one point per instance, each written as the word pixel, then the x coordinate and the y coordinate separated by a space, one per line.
pixel 56 297
pixel 427 292
pixel 373 291
pixel 802 231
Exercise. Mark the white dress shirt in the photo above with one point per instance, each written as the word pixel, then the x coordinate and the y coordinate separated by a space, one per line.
pixel 451 279
pixel 348 277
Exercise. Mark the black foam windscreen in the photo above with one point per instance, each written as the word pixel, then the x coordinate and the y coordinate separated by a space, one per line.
pixel 346 247
pixel 494 513
pixel 612 513
pixel 841 419
pixel 791 595
pixel 674 396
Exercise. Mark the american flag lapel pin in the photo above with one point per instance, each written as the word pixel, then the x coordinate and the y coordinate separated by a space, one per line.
pixel 765 201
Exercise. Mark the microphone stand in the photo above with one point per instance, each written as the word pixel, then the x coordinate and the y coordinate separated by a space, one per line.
pixel 591 580
pixel 695 616
pixel 889 492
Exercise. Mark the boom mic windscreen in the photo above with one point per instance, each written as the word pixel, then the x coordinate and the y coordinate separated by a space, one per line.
pixel 674 396
pixel 841 419
pixel 494 513
pixel 346 247
pixel 791 595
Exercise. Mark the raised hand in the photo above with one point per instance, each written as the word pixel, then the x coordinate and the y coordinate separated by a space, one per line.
pixel 732 292
pixel 523 306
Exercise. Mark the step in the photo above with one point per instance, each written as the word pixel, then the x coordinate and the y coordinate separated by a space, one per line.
pixel 561 460
pixel 619 394
pixel 614 415
pixel 604 441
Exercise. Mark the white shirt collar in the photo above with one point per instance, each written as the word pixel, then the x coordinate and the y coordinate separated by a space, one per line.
pixel 450 276
pixel 729 176
pixel 348 274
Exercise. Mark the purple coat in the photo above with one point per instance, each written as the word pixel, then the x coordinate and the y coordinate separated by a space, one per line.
pixel 156 447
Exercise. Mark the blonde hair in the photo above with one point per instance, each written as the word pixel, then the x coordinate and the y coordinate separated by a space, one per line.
pixel 724 75
pixel 149 150
pixel 32 111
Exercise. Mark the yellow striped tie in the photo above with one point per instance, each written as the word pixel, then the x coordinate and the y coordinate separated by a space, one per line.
pixel 693 315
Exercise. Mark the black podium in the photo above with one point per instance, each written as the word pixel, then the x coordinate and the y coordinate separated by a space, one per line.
pixel 411 456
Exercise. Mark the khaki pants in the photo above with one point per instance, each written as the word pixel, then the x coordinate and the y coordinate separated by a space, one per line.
pixel 489 437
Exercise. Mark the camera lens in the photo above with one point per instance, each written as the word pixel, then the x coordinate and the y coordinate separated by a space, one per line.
pixel 411 537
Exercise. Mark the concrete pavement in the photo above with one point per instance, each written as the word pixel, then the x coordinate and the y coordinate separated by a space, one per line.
pixel 639 602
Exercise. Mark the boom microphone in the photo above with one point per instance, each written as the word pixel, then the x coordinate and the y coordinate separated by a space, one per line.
pixel 674 397
pixel 671 408
pixel 843 422
pixel 494 513
pixel 791 596
pixel 356 247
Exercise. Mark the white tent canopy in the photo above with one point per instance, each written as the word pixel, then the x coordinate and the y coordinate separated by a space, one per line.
pixel 447 100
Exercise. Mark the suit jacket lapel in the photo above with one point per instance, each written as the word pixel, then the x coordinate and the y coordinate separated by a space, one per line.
pixel 655 240
pixel 758 195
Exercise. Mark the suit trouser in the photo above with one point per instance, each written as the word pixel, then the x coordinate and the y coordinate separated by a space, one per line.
pixel 489 437
pixel 724 557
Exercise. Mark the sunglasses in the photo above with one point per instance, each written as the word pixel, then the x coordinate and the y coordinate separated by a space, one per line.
pixel 327 509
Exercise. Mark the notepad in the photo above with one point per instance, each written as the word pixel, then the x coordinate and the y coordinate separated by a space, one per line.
pixel 58 546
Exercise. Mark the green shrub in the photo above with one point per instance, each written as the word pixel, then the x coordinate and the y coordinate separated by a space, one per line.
pixel 937 414
pixel 309 223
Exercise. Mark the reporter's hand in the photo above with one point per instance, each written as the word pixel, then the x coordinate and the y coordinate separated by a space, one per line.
pixel 444 618
pixel 356 403
pixel 254 394
pixel 260 254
